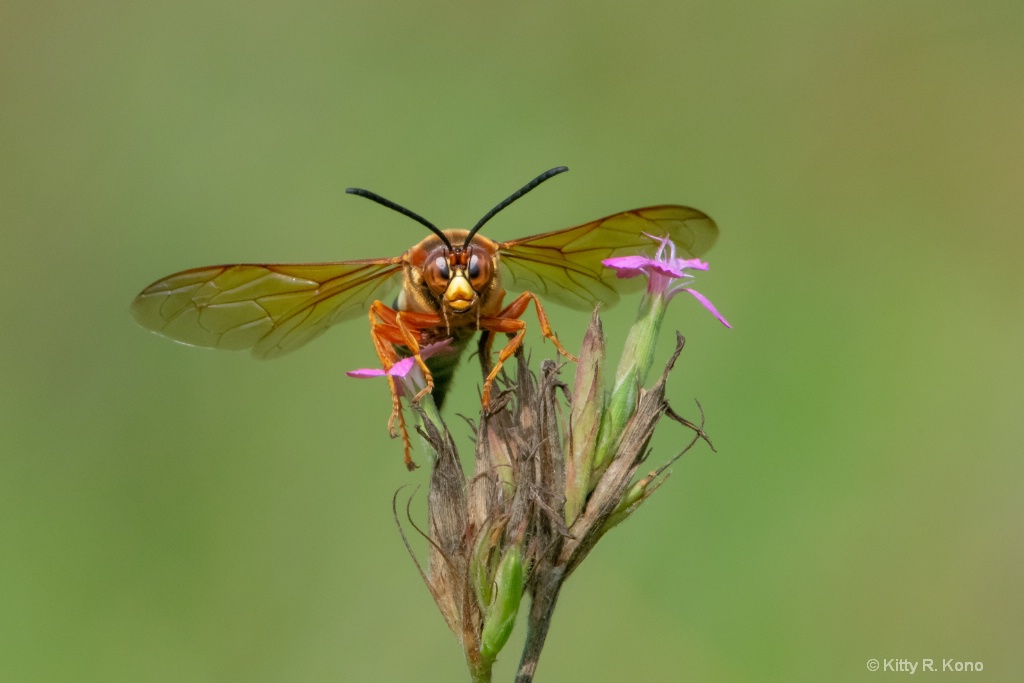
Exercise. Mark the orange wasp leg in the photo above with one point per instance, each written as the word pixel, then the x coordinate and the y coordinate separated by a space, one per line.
pixel 413 345
pixel 389 328
pixel 507 321
pixel 379 333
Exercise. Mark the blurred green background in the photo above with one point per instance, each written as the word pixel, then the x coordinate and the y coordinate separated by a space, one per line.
pixel 173 514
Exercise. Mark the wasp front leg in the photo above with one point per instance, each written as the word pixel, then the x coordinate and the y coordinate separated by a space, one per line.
pixel 507 321
pixel 382 332
pixel 390 328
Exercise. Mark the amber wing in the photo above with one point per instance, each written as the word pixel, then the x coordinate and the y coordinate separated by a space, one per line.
pixel 271 309
pixel 565 265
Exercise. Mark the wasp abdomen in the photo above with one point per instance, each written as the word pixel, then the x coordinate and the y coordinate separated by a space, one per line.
pixel 443 365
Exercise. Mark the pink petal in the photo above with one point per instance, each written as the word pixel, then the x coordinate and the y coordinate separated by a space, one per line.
pixel 364 373
pixel 628 266
pixel 631 266
pixel 435 348
pixel 708 305
pixel 694 264
pixel 402 367
pixel 672 270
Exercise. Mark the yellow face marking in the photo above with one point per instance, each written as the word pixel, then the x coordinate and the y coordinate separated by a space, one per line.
pixel 459 293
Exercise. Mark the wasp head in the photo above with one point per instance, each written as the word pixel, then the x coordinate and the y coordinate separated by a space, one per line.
pixel 459 276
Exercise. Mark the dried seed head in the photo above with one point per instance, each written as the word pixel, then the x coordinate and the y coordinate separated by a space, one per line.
pixel 532 511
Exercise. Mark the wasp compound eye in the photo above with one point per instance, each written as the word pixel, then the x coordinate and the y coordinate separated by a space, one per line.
pixel 442 267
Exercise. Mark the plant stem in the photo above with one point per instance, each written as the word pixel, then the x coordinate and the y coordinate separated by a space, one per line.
pixel 542 607
pixel 479 671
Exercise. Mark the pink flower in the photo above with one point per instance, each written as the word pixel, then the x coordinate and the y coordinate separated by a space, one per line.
pixel 403 367
pixel 666 273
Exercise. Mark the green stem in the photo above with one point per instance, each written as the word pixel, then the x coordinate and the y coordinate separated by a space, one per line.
pixel 479 670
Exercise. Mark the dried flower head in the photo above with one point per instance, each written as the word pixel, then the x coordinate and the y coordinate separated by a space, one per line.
pixel 546 485
pixel 533 508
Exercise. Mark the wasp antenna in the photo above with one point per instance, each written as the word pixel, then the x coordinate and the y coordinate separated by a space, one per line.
pixel 373 196
pixel 514 196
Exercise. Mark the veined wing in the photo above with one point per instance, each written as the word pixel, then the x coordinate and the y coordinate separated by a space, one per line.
pixel 565 265
pixel 271 309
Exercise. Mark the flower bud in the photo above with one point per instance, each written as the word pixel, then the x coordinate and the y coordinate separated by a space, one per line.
pixel 637 358
pixel 483 564
pixel 585 420
pixel 640 491
pixel 508 591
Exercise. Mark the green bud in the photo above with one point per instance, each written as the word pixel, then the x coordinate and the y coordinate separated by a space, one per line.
pixel 638 353
pixel 501 616
pixel 585 420
pixel 483 565
pixel 640 491
pixel 637 358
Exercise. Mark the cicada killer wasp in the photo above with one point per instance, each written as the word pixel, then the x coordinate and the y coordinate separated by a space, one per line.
pixel 453 285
